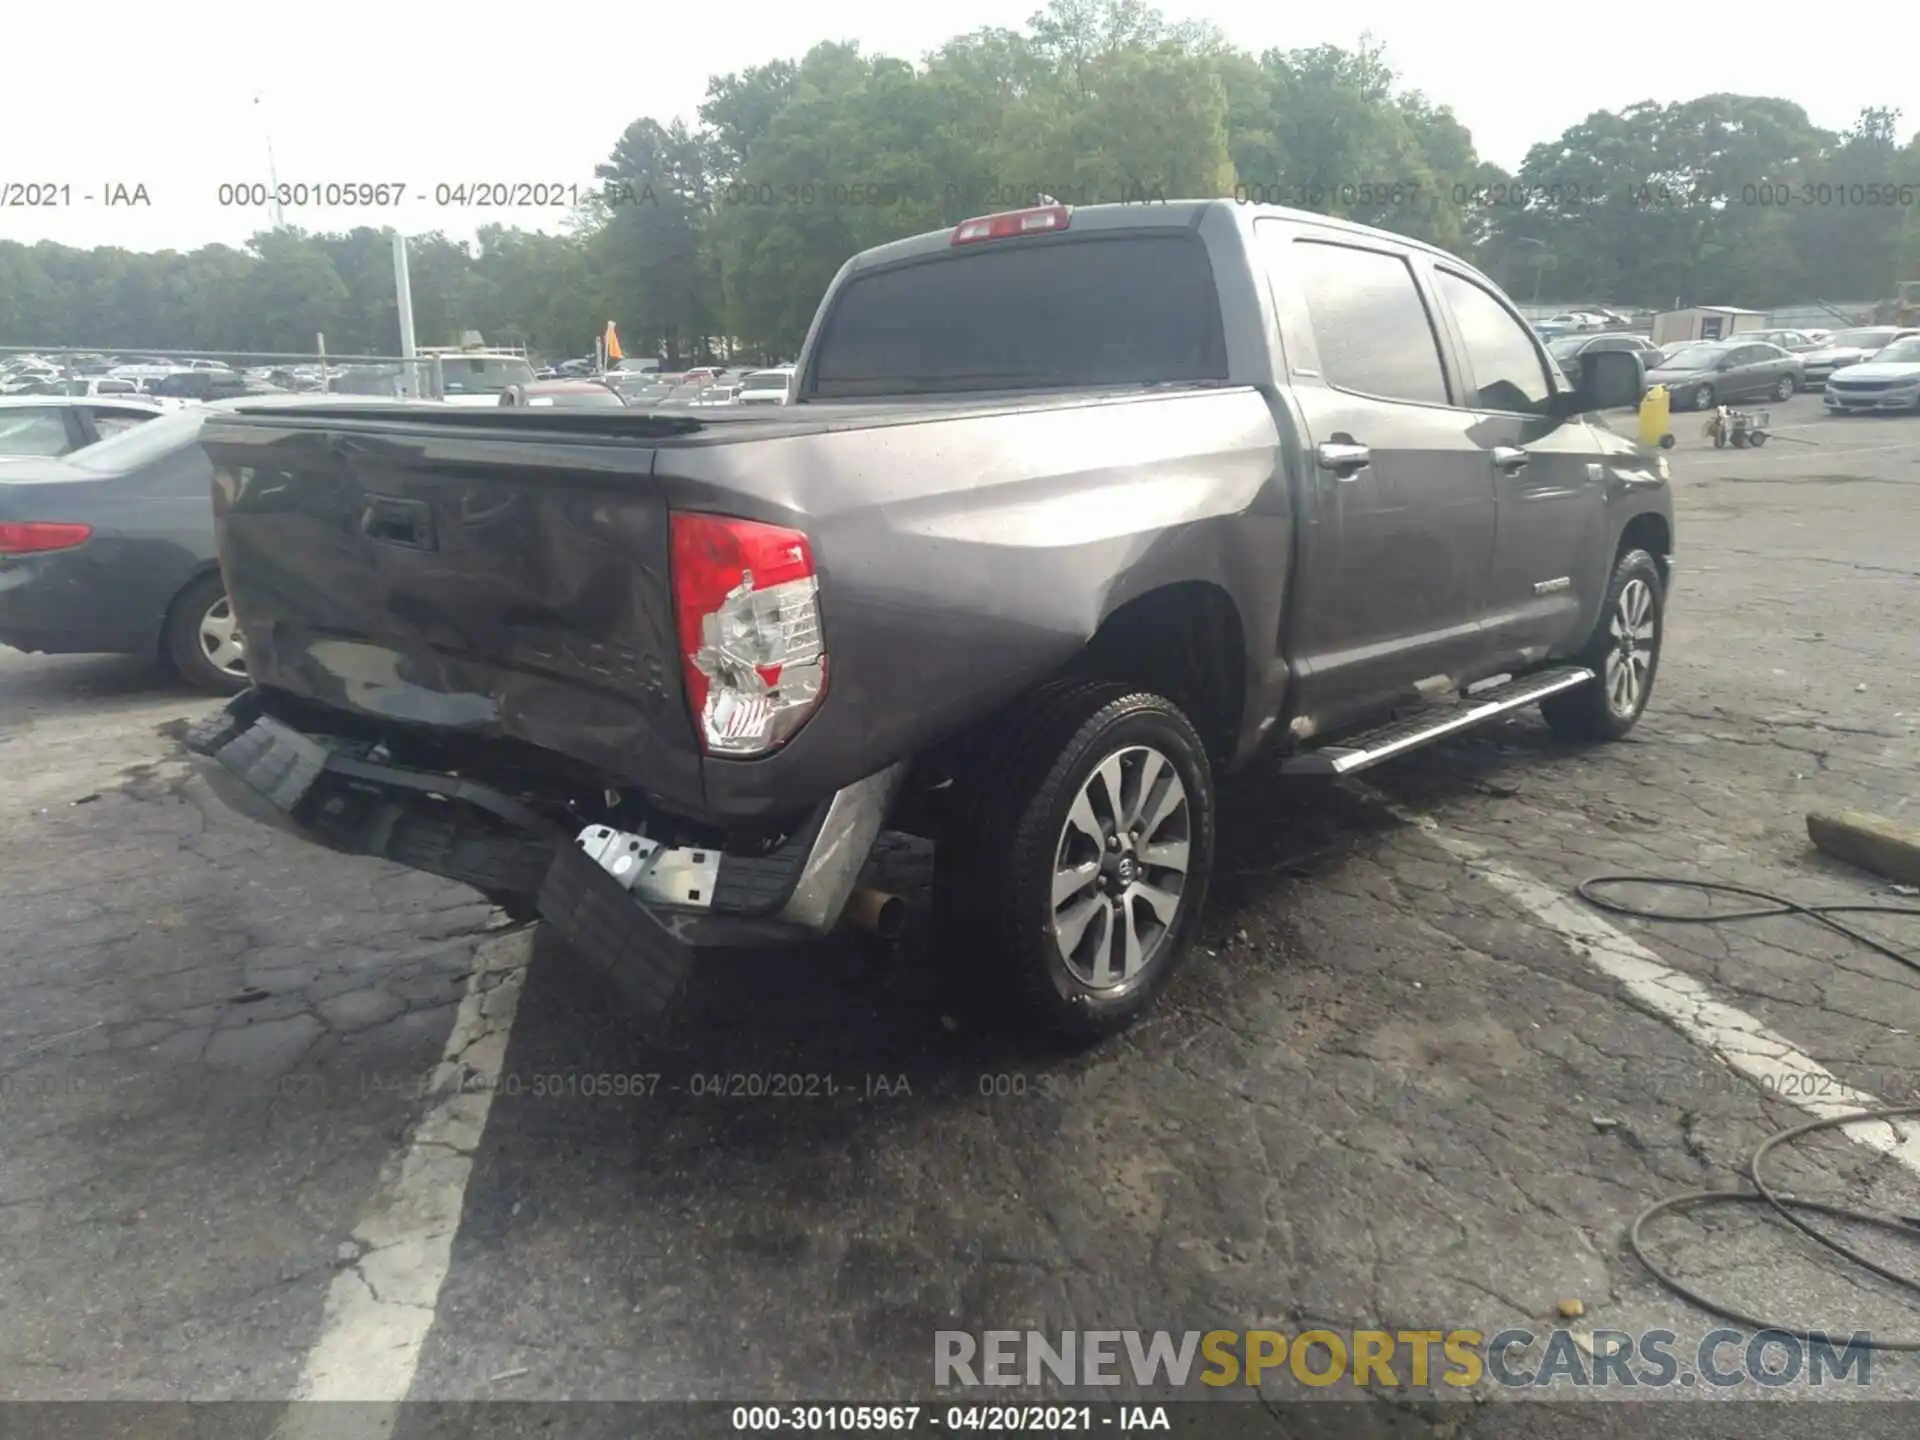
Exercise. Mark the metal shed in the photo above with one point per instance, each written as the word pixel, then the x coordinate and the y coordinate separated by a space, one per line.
pixel 1705 322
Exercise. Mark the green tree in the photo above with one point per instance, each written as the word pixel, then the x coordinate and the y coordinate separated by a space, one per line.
pixel 652 248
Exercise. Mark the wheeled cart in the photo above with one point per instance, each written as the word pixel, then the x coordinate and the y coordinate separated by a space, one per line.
pixel 1739 428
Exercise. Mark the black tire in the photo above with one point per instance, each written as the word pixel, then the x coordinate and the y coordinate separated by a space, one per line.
pixel 181 642
pixel 1589 713
pixel 1703 398
pixel 996 865
pixel 1784 390
pixel 1759 438
pixel 1666 442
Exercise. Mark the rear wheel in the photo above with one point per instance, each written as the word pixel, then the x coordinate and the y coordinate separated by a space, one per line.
pixel 202 640
pixel 1784 390
pixel 1075 869
pixel 1624 655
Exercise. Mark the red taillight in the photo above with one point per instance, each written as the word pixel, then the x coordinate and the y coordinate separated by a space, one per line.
pixel 746 607
pixel 1012 222
pixel 29 537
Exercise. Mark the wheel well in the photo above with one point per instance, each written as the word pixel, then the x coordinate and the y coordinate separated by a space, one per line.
pixel 1184 642
pixel 200 572
pixel 1648 532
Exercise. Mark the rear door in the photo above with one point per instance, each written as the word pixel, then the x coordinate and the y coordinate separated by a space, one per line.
pixel 1551 490
pixel 1398 523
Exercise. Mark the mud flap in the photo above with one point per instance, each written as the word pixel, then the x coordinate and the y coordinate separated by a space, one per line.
pixel 613 932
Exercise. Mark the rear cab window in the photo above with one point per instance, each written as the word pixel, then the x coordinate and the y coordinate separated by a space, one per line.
pixel 1073 312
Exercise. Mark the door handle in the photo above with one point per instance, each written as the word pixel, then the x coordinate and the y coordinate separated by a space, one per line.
pixel 1508 459
pixel 1344 458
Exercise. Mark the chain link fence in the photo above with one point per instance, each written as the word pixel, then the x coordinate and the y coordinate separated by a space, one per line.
pixel 97 370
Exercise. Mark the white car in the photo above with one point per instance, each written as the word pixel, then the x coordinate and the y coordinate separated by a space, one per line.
pixel 481 379
pixel 767 387
pixel 1888 381
pixel 1846 348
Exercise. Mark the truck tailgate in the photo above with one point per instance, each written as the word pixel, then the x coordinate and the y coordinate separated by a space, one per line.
pixel 502 578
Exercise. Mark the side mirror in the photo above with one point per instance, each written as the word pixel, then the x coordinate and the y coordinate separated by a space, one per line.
pixel 1610 380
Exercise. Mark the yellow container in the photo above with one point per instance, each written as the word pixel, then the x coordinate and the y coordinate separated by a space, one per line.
pixel 1656 414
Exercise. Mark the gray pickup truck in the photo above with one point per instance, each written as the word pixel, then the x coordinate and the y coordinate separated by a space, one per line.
pixel 1074 511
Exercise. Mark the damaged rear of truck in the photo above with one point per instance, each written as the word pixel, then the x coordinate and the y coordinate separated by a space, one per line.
pixel 662 680
pixel 1067 516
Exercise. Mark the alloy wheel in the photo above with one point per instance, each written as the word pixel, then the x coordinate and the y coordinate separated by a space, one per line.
pixel 1120 868
pixel 1630 661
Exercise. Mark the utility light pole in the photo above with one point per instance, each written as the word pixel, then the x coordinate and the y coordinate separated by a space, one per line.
pixel 403 302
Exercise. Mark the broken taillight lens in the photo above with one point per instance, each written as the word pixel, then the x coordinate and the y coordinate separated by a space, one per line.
pixel 746 603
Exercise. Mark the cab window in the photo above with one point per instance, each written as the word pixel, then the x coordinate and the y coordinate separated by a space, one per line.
pixel 1508 373
pixel 1370 325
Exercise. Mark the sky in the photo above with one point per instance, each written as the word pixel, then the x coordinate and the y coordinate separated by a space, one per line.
pixel 418 97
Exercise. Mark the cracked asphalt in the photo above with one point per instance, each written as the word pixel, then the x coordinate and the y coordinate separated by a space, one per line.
pixel 1384 1094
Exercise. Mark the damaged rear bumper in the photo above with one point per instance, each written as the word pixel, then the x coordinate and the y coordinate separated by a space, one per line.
pixel 636 911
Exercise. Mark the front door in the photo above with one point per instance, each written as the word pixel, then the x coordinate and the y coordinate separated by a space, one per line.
pixel 1551 555
pixel 1398 521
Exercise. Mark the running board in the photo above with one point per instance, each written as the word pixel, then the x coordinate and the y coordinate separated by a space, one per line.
pixel 1357 752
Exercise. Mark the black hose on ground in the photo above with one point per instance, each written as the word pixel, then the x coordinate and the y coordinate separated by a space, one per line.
pixel 1790 1208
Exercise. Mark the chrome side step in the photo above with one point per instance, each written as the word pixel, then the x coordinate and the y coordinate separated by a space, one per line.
pixel 1357 752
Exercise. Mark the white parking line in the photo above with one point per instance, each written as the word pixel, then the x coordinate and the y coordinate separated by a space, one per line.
pixel 1739 1040
pixel 1806 454
pixel 381 1304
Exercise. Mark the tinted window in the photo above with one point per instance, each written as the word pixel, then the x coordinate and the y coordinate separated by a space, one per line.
pixel 1612 342
pixel 1007 314
pixel 33 431
pixel 1369 322
pixel 1506 367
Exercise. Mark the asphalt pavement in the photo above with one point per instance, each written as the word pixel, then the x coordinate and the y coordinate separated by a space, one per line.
pixel 1407 1083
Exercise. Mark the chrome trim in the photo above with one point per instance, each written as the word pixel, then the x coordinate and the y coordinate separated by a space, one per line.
pixel 853 820
pixel 1553 586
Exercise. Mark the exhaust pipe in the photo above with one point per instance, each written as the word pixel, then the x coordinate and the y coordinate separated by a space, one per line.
pixel 877 912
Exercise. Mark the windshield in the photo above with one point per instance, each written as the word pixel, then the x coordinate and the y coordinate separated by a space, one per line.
pixel 1053 314
pixel 773 381
pixel 483 375
pixel 1901 352
pixel 1859 339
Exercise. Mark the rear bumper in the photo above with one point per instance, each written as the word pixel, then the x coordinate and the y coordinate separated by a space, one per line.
pixel 70 603
pixel 329 792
